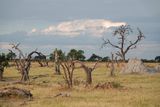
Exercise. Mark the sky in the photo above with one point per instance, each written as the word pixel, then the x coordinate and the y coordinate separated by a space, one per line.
pixel 80 24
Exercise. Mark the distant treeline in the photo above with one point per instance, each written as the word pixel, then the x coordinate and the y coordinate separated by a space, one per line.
pixel 73 54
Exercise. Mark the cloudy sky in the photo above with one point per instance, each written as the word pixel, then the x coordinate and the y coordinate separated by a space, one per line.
pixel 79 24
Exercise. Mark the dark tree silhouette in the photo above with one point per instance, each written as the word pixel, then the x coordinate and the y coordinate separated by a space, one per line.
pixel 41 59
pixel 80 55
pixel 94 57
pixel 11 55
pixel 105 58
pixel 74 54
pixel 124 45
pixel 3 63
pixel 157 58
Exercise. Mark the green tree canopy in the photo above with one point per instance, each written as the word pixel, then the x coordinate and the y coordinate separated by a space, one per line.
pixel 106 58
pixel 3 60
pixel 11 55
pixel 74 54
pixel 157 58
pixel 94 57
pixel 61 55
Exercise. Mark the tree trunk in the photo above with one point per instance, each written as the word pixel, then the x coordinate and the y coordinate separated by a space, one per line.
pixel 112 65
pixel 40 63
pixel 57 69
pixel 123 58
pixel 47 63
pixel 88 77
pixel 25 75
pixel 57 63
pixel 112 69
pixel 1 72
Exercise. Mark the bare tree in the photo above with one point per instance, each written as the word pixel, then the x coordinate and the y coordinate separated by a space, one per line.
pixel 88 71
pixel 124 45
pixel 68 68
pixel 24 63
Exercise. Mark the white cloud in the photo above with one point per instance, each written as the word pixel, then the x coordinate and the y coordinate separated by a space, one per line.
pixel 33 30
pixel 93 27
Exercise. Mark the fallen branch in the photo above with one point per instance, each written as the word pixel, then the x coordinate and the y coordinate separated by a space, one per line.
pixel 12 92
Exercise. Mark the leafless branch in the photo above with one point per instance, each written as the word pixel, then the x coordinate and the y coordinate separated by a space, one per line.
pixel 68 68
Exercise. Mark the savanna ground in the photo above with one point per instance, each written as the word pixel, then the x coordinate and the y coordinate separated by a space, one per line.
pixel 138 90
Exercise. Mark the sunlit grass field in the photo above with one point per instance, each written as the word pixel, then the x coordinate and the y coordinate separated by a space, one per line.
pixel 138 90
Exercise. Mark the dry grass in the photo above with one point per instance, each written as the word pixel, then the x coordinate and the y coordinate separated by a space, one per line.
pixel 138 91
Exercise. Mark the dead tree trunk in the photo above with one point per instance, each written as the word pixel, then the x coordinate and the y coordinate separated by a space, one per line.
pixel 57 68
pixel 88 71
pixel 1 72
pixel 24 63
pixel 25 72
pixel 25 75
pixel 13 92
pixel 89 76
pixel 112 69
pixel 40 63
pixel 57 63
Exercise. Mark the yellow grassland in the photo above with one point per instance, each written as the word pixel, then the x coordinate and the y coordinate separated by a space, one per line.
pixel 139 90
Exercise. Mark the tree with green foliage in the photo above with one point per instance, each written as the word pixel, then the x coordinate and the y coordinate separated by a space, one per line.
pixel 3 63
pixel 80 55
pixel 61 54
pixel 58 56
pixel 105 58
pixel 74 54
pixel 41 59
pixel 11 55
pixel 157 58
pixel 94 57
